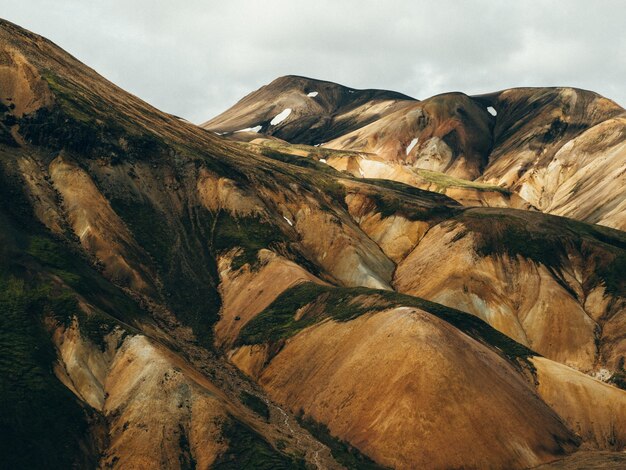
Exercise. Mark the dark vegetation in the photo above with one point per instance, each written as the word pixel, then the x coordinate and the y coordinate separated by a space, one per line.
pixel 276 323
pixel 256 404
pixel 57 260
pixel 6 121
pixel 324 179
pixel 42 423
pixel 394 198
pixel 545 239
pixel 180 252
pixel 77 123
pixel 247 450
pixel 41 420
pixel 250 233
pixel 345 454
pixel 619 377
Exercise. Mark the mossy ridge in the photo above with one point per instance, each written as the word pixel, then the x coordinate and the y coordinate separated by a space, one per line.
pixel 324 179
pixel 248 450
pixel 29 251
pixel 107 300
pixel 276 323
pixel 345 454
pixel 249 233
pixel 58 131
pixel 546 238
pixel 390 197
pixel 312 151
pixel 443 182
pixel 395 198
pixel 78 123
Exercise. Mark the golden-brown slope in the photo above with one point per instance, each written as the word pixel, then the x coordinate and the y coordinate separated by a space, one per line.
pixel 188 199
pixel 594 410
pixel 558 291
pixel 411 391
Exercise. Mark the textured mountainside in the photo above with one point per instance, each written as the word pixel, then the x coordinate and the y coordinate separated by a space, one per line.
pixel 559 150
pixel 174 299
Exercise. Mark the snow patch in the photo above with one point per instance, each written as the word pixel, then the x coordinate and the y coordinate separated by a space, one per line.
pixel 281 116
pixel 250 129
pixel 322 160
pixel 313 94
pixel 288 221
pixel 491 110
pixel 411 145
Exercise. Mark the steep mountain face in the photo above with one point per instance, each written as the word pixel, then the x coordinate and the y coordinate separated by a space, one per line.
pixel 566 158
pixel 303 110
pixel 174 299
pixel 448 133
pixel 552 284
pixel 559 150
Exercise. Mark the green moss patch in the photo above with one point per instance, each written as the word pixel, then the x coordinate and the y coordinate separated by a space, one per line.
pixel 251 234
pixel 83 123
pixel 277 323
pixel 112 308
pixel 546 238
pixel 443 182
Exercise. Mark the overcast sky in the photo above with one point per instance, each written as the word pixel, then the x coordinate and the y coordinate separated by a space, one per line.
pixel 196 58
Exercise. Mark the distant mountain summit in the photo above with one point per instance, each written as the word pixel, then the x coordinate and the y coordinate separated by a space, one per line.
pixel 304 110
pixel 559 150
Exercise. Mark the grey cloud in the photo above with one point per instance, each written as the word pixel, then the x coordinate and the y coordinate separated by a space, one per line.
pixel 196 58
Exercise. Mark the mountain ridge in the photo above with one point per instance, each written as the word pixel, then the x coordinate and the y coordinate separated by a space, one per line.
pixel 542 144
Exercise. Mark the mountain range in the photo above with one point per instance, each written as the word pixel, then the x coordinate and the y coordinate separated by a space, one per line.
pixel 319 277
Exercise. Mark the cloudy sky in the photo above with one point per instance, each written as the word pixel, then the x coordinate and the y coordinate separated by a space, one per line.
pixel 196 58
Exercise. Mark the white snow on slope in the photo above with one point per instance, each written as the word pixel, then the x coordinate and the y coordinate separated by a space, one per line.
pixel 250 129
pixel 313 94
pixel 411 145
pixel 288 221
pixel 491 110
pixel 323 160
pixel 281 116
